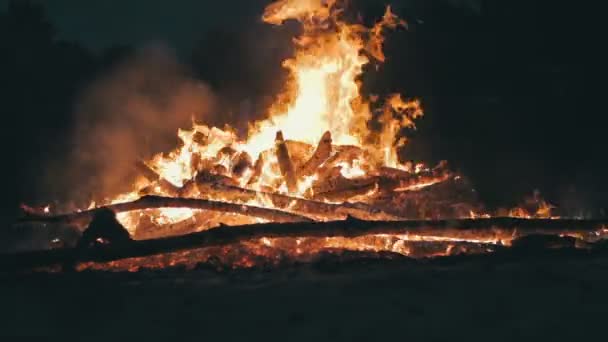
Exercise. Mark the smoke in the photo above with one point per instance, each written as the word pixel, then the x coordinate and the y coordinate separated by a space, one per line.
pixel 132 112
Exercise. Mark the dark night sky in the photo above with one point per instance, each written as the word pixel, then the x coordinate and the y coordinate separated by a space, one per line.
pixel 100 24
pixel 103 23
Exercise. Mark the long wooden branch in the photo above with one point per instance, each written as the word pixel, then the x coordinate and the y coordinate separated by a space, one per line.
pixel 155 202
pixel 321 210
pixel 350 228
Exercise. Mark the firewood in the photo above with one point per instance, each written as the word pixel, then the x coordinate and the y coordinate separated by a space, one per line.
pixel 451 198
pixel 285 163
pixel 475 228
pixel 321 154
pixel 200 221
pixel 258 168
pixel 226 152
pixel 299 152
pixel 154 177
pixel 351 188
pixel 346 154
pixel 242 162
pixel 154 202
pixel 392 173
pixel 337 182
pixel 309 208
pixel 195 187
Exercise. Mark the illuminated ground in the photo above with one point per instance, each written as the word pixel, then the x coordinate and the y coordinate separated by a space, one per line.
pixel 481 299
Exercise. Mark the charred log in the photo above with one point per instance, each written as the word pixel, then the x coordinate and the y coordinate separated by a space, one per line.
pixel 155 202
pixel 104 228
pixel 479 228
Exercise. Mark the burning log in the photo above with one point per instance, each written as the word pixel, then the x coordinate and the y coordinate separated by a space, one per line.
pixel 309 208
pixel 153 176
pixel 355 189
pixel 285 163
pixel 346 154
pixel 200 221
pixel 393 174
pixel 242 163
pixel 258 168
pixel 152 202
pixel 299 152
pixel 321 154
pixel 336 187
pixel 475 229
pixel 452 198
pixel 198 185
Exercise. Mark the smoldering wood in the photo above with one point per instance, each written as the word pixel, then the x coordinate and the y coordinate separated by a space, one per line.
pixel 452 198
pixel 350 228
pixel 156 202
pixel 285 163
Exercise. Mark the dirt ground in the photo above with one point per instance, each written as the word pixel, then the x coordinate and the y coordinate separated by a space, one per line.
pixel 481 299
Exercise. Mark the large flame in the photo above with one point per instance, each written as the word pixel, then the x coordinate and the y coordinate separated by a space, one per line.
pixel 323 95
pixel 324 91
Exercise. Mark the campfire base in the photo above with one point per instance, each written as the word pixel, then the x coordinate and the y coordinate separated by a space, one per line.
pixel 294 240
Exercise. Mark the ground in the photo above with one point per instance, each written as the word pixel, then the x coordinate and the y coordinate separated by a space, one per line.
pixel 478 299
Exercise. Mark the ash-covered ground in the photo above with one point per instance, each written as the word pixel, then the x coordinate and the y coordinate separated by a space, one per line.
pixel 480 298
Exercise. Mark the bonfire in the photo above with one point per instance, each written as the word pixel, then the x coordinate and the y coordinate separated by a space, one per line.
pixel 322 172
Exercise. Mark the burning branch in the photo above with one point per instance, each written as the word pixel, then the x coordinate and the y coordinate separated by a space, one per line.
pixel 321 154
pixel 154 177
pixel 457 230
pixel 285 163
pixel 310 208
pixel 154 202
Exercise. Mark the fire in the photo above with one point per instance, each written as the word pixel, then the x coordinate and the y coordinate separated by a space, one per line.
pixel 323 95
pixel 353 164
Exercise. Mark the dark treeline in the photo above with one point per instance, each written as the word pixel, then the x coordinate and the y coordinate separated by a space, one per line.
pixel 505 86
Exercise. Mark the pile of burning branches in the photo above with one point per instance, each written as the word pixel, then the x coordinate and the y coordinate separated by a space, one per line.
pixel 222 213
pixel 320 173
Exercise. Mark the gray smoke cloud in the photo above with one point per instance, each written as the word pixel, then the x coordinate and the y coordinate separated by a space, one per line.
pixel 133 112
